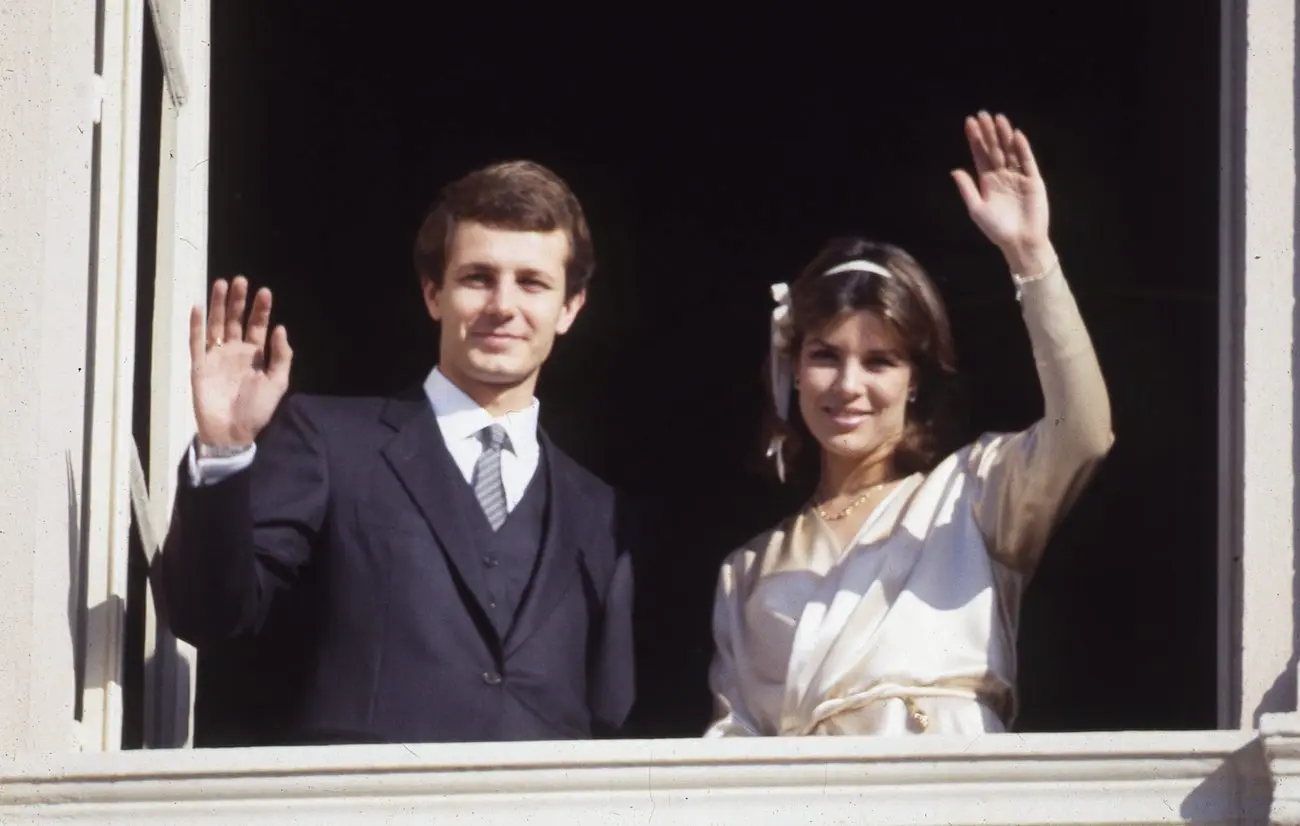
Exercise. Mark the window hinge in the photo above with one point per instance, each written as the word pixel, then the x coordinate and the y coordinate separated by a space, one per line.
pixel 96 98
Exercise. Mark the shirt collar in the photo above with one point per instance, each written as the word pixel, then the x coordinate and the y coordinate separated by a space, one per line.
pixel 460 417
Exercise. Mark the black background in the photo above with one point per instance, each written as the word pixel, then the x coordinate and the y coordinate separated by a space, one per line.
pixel 714 153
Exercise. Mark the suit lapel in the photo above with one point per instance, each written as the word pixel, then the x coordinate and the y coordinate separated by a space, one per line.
pixel 557 567
pixel 419 457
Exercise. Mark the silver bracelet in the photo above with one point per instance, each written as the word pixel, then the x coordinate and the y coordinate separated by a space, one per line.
pixel 220 451
pixel 1021 280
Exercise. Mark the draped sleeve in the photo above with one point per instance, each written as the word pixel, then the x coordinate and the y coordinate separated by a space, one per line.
pixel 1025 483
pixel 729 708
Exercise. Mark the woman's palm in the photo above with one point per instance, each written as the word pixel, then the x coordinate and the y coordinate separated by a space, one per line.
pixel 1007 199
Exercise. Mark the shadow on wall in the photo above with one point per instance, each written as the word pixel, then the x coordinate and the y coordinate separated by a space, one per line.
pixel 1247 771
pixel 76 594
pixel 168 677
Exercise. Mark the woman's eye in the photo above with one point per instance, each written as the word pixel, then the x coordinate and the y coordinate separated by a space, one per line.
pixel 881 362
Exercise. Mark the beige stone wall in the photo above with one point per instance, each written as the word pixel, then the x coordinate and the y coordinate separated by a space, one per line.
pixel 46 54
pixel 1262 146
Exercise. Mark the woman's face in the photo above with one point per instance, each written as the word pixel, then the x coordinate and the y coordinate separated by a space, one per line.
pixel 854 381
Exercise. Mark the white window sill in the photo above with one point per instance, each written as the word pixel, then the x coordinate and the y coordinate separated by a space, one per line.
pixel 1132 777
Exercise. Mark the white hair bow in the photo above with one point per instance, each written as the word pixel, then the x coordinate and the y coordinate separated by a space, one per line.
pixel 782 335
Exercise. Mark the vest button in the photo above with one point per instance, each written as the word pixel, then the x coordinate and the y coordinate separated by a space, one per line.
pixel 489 561
pixel 491 678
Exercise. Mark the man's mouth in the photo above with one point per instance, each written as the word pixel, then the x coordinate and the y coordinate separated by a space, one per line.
pixel 496 341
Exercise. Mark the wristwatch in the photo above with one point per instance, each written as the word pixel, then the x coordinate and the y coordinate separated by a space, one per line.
pixel 220 451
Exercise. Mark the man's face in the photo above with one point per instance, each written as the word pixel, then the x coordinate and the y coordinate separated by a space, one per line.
pixel 501 304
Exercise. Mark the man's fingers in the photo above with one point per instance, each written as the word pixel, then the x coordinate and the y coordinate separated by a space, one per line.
pixel 198 348
pixel 281 357
pixel 235 305
pixel 217 309
pixel 259 320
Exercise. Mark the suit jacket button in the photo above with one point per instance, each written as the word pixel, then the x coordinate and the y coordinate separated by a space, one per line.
pixel 489 561
pixel 491 678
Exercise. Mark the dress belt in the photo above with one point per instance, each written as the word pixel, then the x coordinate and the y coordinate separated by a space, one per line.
pixel 990 692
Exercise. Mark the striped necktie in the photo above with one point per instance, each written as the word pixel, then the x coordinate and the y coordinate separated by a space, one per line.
pixel 488 489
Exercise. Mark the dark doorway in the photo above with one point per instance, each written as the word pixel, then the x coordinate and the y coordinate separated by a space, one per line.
pixel 714 153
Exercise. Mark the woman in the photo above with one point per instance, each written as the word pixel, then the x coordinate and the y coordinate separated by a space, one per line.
pixel 889 604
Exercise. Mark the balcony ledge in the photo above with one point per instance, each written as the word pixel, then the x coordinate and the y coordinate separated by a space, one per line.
pixel 1093 778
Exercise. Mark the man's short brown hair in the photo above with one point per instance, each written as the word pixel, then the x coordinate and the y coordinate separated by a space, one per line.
pixel 513 195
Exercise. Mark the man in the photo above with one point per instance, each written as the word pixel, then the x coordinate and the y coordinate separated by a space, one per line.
pixel 468 582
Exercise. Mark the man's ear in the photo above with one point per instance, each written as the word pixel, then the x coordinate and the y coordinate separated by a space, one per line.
pixel 569 313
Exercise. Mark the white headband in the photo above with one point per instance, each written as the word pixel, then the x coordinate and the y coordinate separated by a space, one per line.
pixel 782 335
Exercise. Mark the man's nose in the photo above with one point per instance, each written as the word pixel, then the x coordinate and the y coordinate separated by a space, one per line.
pixel 505 298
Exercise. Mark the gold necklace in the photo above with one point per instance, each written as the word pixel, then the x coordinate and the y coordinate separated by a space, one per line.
pixel 852 506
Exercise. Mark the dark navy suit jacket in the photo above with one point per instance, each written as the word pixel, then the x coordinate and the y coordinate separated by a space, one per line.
pixel 355 492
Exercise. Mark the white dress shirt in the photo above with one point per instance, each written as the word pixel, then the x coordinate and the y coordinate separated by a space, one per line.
pixel 459 418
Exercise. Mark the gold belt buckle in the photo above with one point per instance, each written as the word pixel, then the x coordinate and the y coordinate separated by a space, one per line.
pixel 918 716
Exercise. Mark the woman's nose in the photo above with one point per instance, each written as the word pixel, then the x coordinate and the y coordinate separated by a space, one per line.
pixel 850 381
